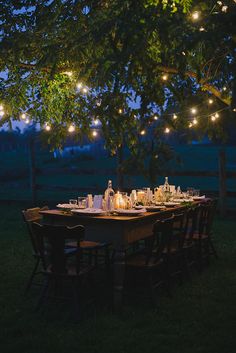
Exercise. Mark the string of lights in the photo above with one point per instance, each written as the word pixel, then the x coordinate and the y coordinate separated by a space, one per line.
pixel 196 16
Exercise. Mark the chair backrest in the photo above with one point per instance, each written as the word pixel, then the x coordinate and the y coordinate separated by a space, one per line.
pixel 31 215
pixel 207 215
pixel 163 231
pixel 179 234
pixel 192 221
pixel 55 237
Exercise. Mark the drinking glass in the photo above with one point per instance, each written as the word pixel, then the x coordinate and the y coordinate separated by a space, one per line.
pixel 81 202
pixel 196 192
pixel 73 202
pixel 190 191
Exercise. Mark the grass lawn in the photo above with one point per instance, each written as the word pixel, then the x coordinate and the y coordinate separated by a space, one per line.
pixel 200 318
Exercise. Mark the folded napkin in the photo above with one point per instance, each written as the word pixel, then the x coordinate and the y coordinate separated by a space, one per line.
pixel 97 201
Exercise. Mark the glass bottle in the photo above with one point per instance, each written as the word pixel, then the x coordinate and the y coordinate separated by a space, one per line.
pixel 166 185
pixel 109 196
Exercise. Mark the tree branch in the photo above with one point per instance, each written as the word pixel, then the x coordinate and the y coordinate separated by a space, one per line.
pixel 217 93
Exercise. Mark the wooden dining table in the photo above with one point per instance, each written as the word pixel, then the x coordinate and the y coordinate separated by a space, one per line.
pixel 120 231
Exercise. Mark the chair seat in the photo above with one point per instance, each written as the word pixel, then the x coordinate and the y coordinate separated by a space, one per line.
pixel 139 260
pixel 87 245
pixel 197 236
pixel 71 271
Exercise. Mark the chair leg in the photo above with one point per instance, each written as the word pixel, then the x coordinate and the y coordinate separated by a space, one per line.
pixel 42 294
pixel 75 289
pixel 29 284
pixel 213 249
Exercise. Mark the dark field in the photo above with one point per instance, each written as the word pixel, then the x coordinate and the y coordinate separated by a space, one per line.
pixel 200 318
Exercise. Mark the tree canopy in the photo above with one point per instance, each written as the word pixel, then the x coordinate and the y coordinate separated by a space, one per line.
pixel 134 66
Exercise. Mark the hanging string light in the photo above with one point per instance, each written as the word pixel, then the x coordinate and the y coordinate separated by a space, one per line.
pixel 164 77
pixel 96 122
pixel 167 130
pixel 79 85
pixel 193 110
pixel 142 132
pixel 175 116
pixel 47 127
pixel 71 128
pixel 94 133
pixel 1 110
pixel 23 116
pixel 195 15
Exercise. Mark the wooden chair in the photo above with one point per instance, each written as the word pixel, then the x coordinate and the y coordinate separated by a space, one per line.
pixel 202 236
pixel 60 269
pixel 93 251
pixel 153 267
pixel 29 216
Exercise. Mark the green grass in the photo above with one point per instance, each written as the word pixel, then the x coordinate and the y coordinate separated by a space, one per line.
pixel 199 319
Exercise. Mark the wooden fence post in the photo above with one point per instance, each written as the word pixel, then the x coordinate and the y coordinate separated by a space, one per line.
pixel 222 181
pixel 32 170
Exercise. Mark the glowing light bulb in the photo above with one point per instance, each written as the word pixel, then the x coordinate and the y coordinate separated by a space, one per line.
pixel 193 110
pixel 68 73
pixel 142 132
pixel 183 53
pixel 224 8
pixel 190 125
pixel 175 116
pixel 219 3
pixel 155 117
pixel 165 77
pixel 217 115
pixel 120 111
pixel 85 90
pixel 94 133
pixel 195 122
pixel 96 121
pixel 201 29
pixel 1 107
pixel 167 130
pixel 234 110
pixel 213 118
pixel 79 85
pixel 71 128
pixel 210 101
pixel 47 127
pixel 224 88
pixel 196 15
pixel 2 113
pixel 27 121
pixel 23 116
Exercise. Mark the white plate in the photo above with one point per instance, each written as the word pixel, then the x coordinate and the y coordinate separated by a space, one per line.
pixel 89 212
pixel 155 208
pixel 170 203
pixel 130 212
pixel 198 198
pixel 66 206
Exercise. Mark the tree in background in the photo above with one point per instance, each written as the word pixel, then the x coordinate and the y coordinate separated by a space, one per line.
pixel 135 67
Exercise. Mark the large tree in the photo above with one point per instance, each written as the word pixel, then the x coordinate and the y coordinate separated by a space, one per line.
pixel 124 62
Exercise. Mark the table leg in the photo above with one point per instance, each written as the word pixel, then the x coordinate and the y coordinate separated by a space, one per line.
pixel 118 281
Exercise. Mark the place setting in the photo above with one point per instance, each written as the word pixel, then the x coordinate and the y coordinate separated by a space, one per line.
pixel 136 203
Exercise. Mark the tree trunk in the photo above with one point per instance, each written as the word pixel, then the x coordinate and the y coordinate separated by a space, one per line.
pixel 120 175
pixel 222 182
